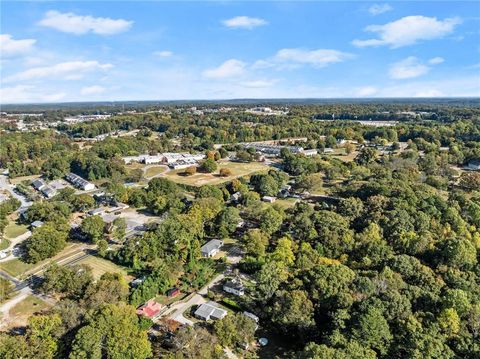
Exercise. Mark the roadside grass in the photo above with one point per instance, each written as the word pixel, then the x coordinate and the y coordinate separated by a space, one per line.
pixel 13 230
pixel 154 171
pixel 101 266
pixel 15 267
pixel 20 269
pixel 4 243
pixel 200 179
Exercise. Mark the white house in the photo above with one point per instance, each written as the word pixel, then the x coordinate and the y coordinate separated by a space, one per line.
pixel 234 287
pixel 211 248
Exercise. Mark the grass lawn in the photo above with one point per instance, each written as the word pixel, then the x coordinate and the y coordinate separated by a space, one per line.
pixel 286 203
pixel 199 179
pixel 13 230
pixel 29 306
pixel 17 180
pixel 100 266
pixel 15 267
pixel 4 243
pixel 154 171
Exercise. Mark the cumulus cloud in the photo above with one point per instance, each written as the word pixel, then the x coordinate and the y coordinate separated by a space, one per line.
pixel 78 24
pixel 408 68
pixel 258 83
pixel 10 47
pixel 244 22
pixel 378 9
pixel 92 90
pixel 436 60
pixel 408 31
pixel 230 68
pixel 70 70
pixel 291 58
pixel 27 94
pixel 163 53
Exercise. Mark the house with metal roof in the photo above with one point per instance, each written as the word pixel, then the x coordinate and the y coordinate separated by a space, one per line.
pixel 48 191
pixel 38 184
pixel 211 248
pixel 210 310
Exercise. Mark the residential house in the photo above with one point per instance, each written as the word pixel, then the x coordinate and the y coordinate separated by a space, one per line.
pixel 38 184
pixel 36 224
pixel 211 248
pixel 234 287
pixel 210 310
pixel 150 309
pixel 310 153
pixel 269 199
pixel 48 191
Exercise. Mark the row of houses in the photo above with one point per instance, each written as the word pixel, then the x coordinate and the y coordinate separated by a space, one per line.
pixel 172 159
pixel 41 186
pixel 79 182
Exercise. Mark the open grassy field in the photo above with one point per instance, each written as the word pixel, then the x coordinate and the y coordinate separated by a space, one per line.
pixel 199 179
pixel 153 171
pixel 100 266
pixel 4 243
pixel 13 230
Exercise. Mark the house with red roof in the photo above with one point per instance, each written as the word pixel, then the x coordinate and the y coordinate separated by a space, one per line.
pixel 150 309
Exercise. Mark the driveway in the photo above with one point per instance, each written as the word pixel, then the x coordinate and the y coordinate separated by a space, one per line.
pixel 13 243
pixel 5 185
pixel 176 311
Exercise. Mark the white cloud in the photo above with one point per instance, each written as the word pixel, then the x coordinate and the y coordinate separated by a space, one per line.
pixel 72 70
pixel 10 47
pixel 92 90
pixel 407 68
pixel 436 60
pixel 163 54
pixel 244 22
pixel 366 91
pixel 27 94
pixel 291 58
pixel 230 68
pixel 378 9
pixel 409 30
pixel 429 93
pixel 258 83
pixel 77 24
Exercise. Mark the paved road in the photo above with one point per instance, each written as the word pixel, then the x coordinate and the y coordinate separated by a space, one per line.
pixel 5 185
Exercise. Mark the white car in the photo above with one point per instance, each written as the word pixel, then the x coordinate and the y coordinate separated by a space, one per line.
pixel 3 254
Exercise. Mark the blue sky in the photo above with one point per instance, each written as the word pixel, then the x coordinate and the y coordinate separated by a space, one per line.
pixel 96 51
